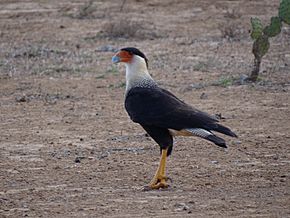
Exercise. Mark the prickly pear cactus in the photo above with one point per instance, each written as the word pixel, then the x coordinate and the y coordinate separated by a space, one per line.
pixel 257 28
pixel 261 46
pixel 261 39
pixel 261 35
pixel 284 11
pixel 274 28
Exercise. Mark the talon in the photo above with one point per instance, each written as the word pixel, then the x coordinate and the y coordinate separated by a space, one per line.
pixel 158 185
pixel 168 179
pixel 147 188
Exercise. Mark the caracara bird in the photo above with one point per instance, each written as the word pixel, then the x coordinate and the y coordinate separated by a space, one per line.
pixel 161 113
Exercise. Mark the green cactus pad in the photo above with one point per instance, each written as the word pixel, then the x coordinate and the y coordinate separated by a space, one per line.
pixel 284 11
pixel 261 46
pixel 274 28
pixel 257 28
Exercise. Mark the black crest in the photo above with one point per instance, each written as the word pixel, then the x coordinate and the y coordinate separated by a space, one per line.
pixel 136 51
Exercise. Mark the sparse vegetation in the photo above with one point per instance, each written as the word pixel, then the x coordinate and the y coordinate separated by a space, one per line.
pixel 122 28
pixel 232 29
pixel 42 59
pixel 233 13
pixel 201 66
pixel 206 65
pixel 102 76
pixel 261 35
pixel 34 51
pixel 128 28
pixel 121 85
pixel 225 81
pixel 87 10
pixel 112 70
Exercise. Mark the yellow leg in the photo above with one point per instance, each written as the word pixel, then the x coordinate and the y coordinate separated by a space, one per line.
pixel 159 180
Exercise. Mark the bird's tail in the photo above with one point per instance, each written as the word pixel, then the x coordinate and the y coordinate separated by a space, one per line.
pixel 222 129
pixel 208 135
pixel 217 140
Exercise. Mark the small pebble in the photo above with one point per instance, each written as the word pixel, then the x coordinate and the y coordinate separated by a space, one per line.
pixel 77 160
pixel 181 207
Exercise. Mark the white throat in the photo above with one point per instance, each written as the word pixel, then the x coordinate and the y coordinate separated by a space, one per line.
pixel 137 74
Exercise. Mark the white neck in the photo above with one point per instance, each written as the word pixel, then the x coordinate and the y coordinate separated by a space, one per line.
pixel 137 73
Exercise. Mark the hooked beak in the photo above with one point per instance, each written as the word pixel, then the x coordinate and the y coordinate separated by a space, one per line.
pixel 116 59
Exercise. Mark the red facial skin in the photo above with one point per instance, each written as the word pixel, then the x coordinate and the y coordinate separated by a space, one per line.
pixel 125 56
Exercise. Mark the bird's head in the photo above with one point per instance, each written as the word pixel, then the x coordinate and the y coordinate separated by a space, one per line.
pixel 129 55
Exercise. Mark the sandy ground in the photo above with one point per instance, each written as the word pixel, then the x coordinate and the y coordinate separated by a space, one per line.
pixel 67 146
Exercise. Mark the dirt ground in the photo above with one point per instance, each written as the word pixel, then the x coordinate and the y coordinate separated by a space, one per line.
pixel 67 146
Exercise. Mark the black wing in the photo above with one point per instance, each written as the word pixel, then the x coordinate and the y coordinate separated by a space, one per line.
pixel 158 107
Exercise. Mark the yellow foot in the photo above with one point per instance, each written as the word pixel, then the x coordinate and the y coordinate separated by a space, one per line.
pixel 159 180
pixel 159 183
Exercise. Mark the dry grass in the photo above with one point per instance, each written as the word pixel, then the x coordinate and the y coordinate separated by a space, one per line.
pixel 233 31
pixel 44 59
pixel 86 10
pixel 233 13
pixel 127 28
pixel 121 28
